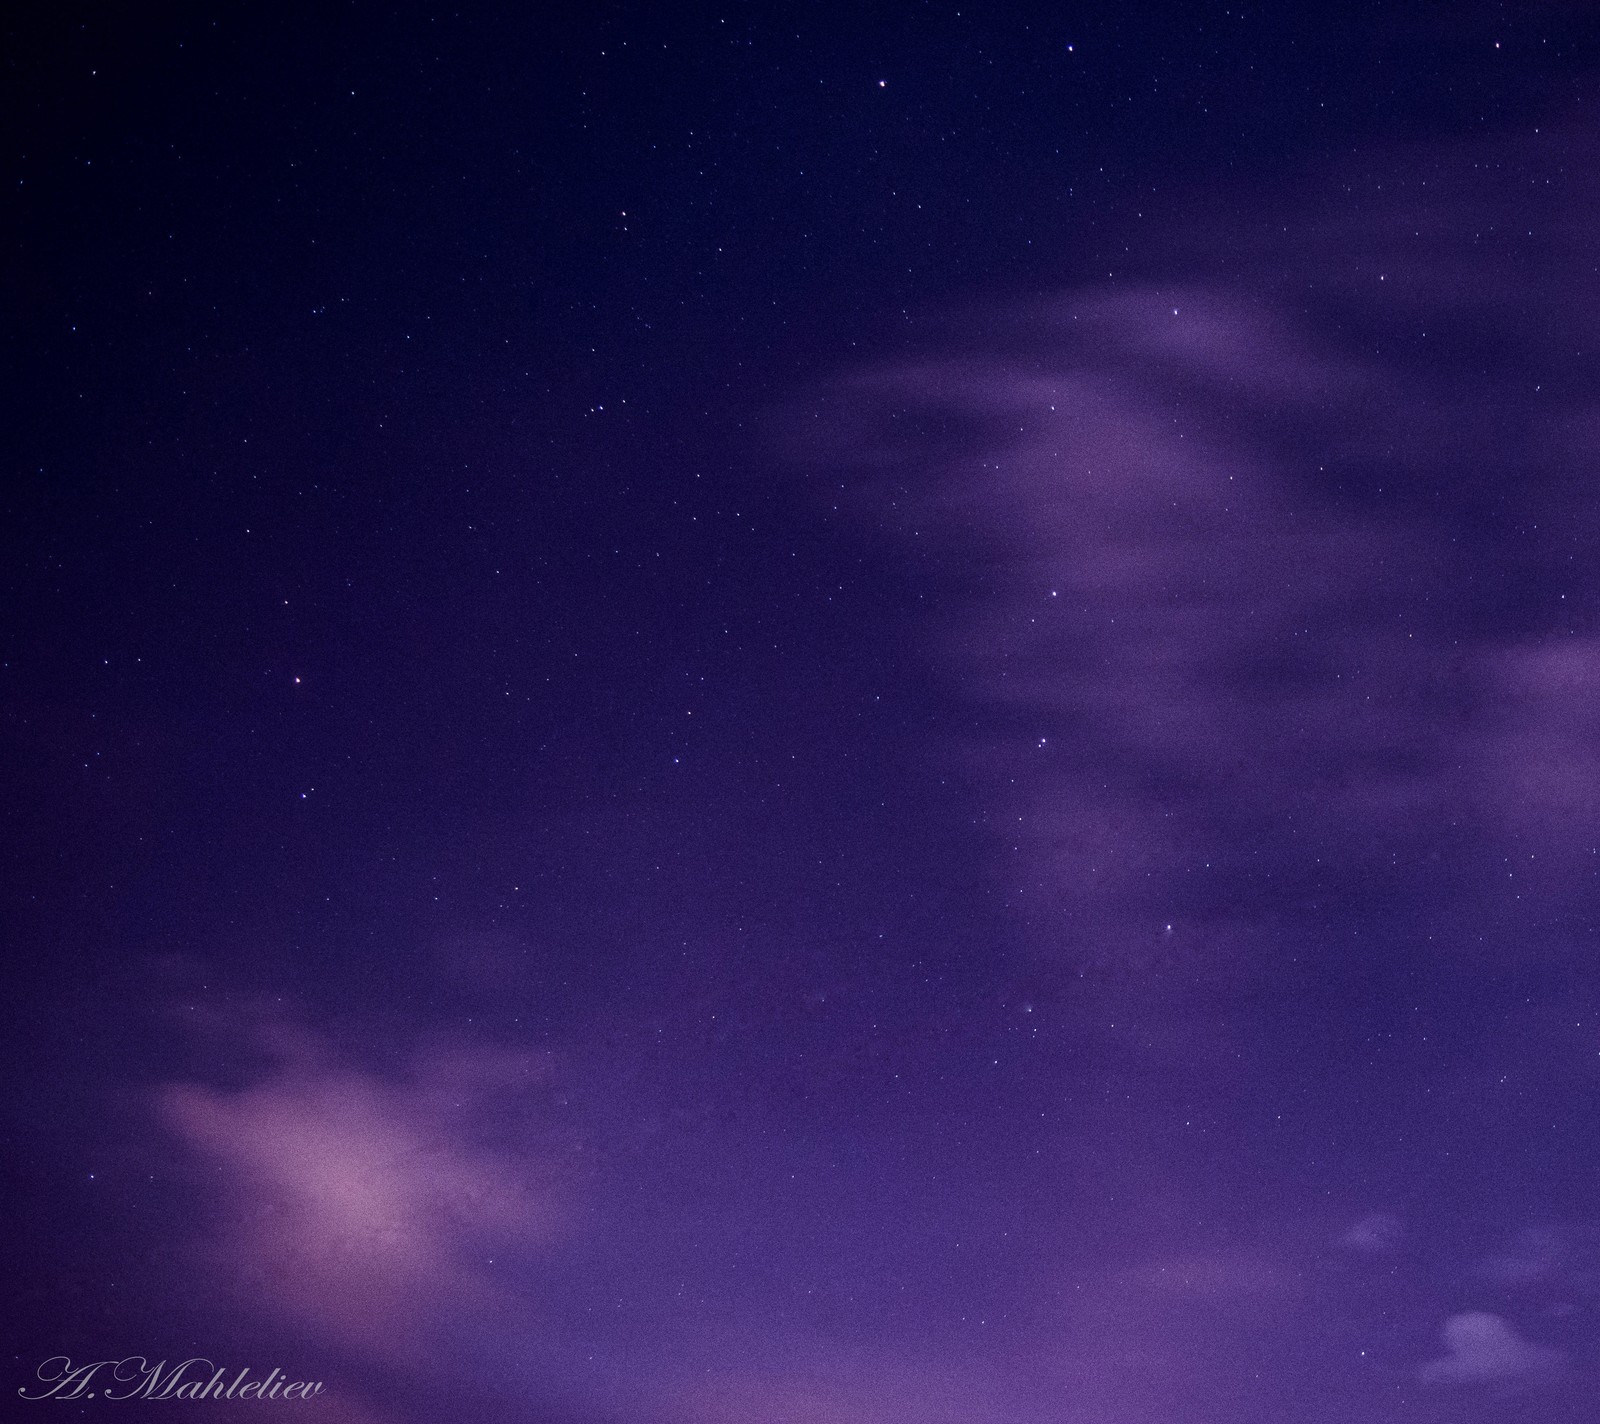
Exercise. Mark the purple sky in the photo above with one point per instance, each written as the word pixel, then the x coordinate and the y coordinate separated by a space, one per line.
pixel 1023 849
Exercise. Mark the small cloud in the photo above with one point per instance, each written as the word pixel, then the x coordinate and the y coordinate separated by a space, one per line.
pixel 1534 1256
pixel 1483 1348
pixel 1377 1235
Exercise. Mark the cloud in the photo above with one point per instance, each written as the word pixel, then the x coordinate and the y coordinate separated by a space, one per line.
pixel 1559 1262
pixel 1535 1256
pixel 1377 1235
pixel 1484 1348
pixel 364 1207
pixel 1237 625
pixel 1186 673
pixel 1260 604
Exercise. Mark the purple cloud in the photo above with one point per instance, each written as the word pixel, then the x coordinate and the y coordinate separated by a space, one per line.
pixel 1264 608
pixel 1483 1349
pixel 1217 634
pixel 359 1207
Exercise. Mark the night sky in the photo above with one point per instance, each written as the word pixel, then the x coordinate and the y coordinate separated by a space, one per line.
pixel 834 714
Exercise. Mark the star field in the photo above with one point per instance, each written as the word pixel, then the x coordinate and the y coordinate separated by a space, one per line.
pixel 862 715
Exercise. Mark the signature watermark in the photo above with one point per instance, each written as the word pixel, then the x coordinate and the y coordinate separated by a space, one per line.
pixel 135 1377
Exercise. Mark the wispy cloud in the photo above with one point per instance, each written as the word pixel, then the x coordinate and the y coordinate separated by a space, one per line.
pixel 1218 634
pixel 1377 1235
pixel 1483 1348
pixel 365 1207
pixel 1257 597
